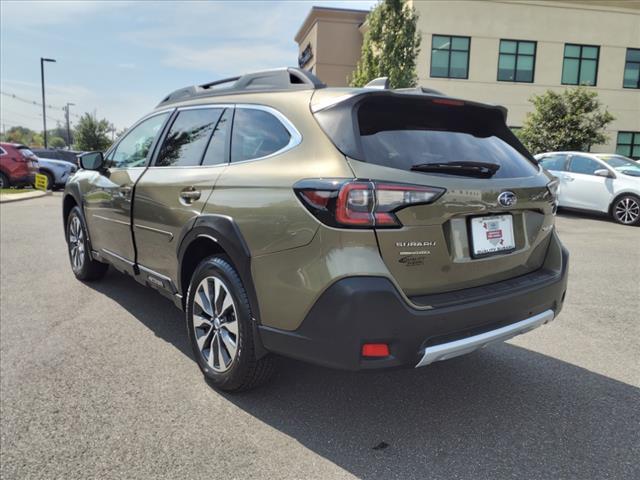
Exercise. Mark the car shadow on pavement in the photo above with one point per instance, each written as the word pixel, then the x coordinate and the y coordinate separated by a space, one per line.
pixel 584 215
pixel 503 412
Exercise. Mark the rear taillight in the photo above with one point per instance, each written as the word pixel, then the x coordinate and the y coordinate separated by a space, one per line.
pixel 361 204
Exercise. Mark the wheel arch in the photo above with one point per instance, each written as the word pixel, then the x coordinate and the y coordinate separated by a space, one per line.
pixel 211 235
pixel 619 196
pixel 68 202
pixel 217 235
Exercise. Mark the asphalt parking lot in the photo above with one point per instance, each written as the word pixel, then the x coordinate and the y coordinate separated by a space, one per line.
pixel 97 381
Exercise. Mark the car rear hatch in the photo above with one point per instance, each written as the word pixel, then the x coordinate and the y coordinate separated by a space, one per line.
pixel 493 220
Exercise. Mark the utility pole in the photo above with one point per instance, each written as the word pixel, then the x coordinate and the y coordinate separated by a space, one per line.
pixel 44 103
pixel 66 110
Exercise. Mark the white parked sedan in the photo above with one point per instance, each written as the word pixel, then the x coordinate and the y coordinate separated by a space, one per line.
pixel 605 183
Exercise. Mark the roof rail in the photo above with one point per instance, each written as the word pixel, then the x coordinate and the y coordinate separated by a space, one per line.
pixel 280 79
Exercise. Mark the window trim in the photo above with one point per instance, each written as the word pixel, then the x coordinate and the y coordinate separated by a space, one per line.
pixel 627 62
pixel 580 59
pixel 449 50
pixel 295 137
pixel 633 143
pixel 515 68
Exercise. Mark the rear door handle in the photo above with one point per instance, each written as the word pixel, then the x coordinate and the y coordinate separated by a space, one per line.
pixel 125 191
pixel 190 195
pixel 568 178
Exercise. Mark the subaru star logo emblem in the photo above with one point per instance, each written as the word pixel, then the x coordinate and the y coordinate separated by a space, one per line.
pixel 507 199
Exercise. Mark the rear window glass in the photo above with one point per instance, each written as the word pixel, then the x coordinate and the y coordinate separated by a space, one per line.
pixel 26 152
pixel 554 162
pixel 402 134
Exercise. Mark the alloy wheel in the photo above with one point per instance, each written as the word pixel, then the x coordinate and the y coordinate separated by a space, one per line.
pixel 215 324
pixel 627 210
pixel 76 244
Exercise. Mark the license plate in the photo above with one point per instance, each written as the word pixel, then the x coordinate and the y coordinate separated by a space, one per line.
pixel 493 234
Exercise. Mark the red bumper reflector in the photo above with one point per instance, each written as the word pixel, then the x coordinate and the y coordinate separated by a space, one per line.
pixel 375 350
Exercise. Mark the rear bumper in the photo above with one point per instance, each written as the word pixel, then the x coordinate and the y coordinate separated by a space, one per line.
pixel 358 310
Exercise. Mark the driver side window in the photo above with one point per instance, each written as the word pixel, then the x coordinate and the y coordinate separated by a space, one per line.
pixel 133 149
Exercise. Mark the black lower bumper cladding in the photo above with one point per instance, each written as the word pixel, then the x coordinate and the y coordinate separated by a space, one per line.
pixel 358 310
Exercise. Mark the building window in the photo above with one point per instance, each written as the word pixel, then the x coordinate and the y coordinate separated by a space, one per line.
pixel 580 65
pixel 450 56
pixel 632 69
pixel 629 144
pixel 517 61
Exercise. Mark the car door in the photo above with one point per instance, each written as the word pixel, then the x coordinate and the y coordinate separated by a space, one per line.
pixel 584 189
pixel 176 186
pixel 107 201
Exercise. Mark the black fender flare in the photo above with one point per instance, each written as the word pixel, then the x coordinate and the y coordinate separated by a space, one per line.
pixel 73 190
pixel 224 232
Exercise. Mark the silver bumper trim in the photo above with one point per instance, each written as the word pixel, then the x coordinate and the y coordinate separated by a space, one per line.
pixel 448 350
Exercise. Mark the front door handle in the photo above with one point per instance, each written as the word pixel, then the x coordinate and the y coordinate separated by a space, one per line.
pixel 190 195
pixel 568 178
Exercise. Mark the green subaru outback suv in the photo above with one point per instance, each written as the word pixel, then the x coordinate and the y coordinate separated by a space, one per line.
pixel 358 229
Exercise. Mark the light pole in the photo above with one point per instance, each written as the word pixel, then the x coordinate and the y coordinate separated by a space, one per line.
pixel 44 105
pixel 68 128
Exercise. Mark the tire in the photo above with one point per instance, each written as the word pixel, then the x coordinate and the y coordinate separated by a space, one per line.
pixel 216 328
pixel 83 265
pixel 626 210
pixel 50 180
pixel 4 181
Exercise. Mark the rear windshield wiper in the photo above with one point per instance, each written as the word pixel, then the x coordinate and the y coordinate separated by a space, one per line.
pixel 465 169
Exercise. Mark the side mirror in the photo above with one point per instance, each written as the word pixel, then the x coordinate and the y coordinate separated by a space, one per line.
pixel 603 172
pixel 91 160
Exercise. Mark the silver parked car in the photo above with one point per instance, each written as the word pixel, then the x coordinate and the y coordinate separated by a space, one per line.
pixel 57 171
pixel 598 182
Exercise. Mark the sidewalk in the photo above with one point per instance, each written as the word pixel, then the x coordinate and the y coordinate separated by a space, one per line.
pixel 15 197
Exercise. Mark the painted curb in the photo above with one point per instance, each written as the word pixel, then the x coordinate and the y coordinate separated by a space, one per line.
pixel 17 197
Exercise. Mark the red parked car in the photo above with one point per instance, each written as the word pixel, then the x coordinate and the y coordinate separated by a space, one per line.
pixel 18 165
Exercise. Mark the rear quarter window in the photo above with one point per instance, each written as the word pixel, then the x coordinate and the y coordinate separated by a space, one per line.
pixel 256 134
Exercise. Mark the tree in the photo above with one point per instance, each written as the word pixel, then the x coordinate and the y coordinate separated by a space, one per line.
pixel 22 135
pixel 571 120
pixel 390 47
pixel 57 142
pixel 91 134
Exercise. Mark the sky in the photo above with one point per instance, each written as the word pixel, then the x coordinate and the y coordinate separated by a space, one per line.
pixel 120 58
